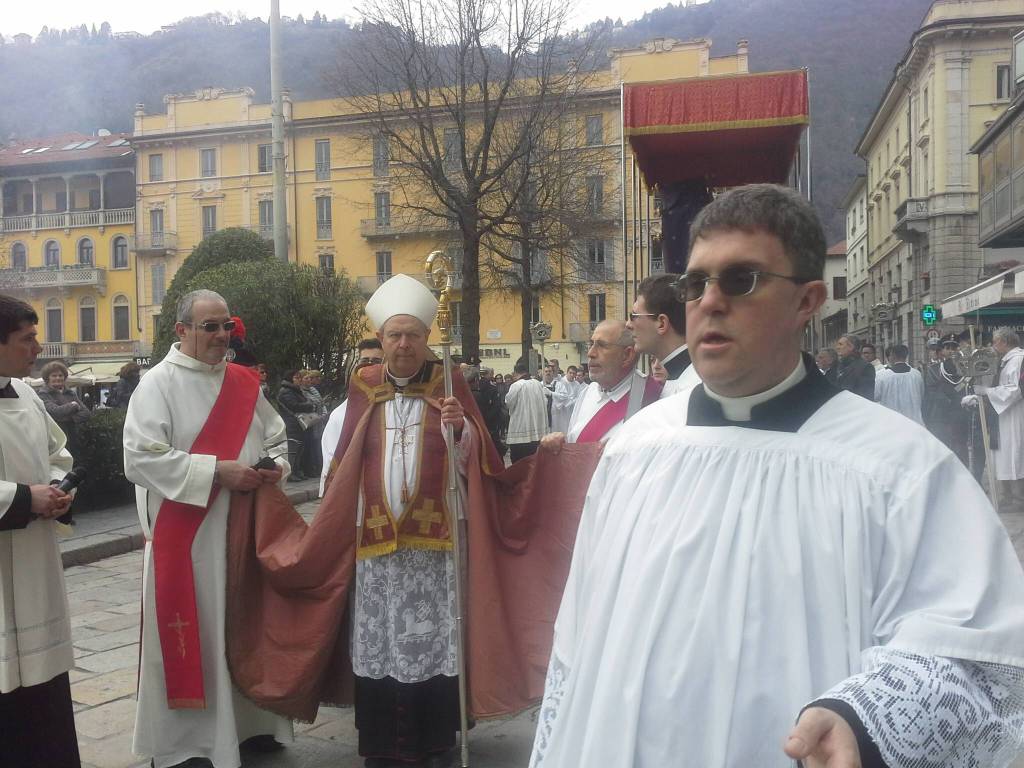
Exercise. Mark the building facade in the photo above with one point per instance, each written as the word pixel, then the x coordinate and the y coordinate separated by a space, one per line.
pixel 66 227
pixel 921 185
pixel 856 204
pixel 205 164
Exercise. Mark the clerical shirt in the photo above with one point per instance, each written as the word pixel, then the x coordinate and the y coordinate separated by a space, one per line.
pixel 592 400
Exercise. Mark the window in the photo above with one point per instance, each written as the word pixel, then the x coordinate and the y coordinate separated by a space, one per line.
pixel 266 216
pixel 324 225
pixel 383 266
pixel 382 208
pixel 595 307
pixel 327 263
pixel 207 162
pixel 381 155
pixel 595 194
pixel 156 221
pixel 85 251
pixel 595 130
pixel 159 280
pixel 595 251
pixel 452 159
pixel 156 167
pixel 94 199
pixel 122 313
pixel 87 319
pixel 535 310
pixel 19 257
pixel 119 253
pixel 839 287
pixel 62 201
pixel 209 215
pixel 51 254
pixel 456 318
pixel 54 320
pixel 323 159
pixel 1003 81
pixel 264 159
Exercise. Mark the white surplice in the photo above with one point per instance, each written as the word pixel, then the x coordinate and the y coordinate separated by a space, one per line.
pixel 166 413
pixel 724 576
pixel 35 632
pixel 593 399
pixel 1006 399
pixel 563 401
pixel 901 391
pixel 527 401
pixel 403 602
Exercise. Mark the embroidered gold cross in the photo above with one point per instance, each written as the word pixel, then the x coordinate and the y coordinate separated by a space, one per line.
pixel 376 522
pixel 178 625
pixel 425 516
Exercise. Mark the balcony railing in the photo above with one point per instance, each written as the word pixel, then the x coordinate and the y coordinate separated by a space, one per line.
pixel 44 278
pixel 55 350
pixel 68 220
pixel 911 218
pixel 580 332
pixel 373 228
pixel 71 351
pixel 596 272
pixel 367 284
pixel 154 243
pixel 657 266
pixel 324 232
pixel 266 231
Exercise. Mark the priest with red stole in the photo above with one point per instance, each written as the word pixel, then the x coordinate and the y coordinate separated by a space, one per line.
pixel 195 428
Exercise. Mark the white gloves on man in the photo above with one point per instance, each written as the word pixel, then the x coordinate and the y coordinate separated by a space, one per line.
pixel 971 401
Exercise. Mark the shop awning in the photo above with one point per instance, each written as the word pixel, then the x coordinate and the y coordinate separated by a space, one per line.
pixel 994 290
pixel 725 130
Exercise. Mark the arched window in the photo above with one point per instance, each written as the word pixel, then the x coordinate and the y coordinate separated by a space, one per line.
pixel 19 257
pixel 54 320
pixel 87 319
pixel 51 254
pixel 119 255
pixel 85 251
pixel 122 318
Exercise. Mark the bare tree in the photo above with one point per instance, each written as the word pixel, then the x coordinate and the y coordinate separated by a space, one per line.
pixel 461 91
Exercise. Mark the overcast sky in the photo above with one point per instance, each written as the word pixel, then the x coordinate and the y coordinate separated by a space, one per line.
pixel 145 17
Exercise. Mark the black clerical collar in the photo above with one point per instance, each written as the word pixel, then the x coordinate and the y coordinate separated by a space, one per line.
pixel 421 376
pixel 7 389
pixel 676 364
pixel 786 412
pixel 899 368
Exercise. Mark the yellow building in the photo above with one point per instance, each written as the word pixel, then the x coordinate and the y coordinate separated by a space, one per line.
pixel 205 164
pixel 68 216
pixel 922 186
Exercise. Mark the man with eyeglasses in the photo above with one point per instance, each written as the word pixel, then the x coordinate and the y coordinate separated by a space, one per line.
pixel 750 557
pixel 658 323
pixel 618 391
pixel 195 428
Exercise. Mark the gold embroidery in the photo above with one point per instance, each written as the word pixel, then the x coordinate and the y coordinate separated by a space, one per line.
pixel 426 516
pixel 376 522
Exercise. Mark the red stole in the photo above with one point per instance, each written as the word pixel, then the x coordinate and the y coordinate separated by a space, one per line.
pixel 614 412
pixel 223 436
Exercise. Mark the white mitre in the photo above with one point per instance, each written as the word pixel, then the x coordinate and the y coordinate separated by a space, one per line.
pixel 401 295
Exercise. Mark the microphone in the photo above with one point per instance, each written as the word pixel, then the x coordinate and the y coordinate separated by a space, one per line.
pixel 71 480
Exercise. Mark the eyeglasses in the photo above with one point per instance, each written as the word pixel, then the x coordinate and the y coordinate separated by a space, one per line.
pixel 732 281
pixel 212 326
pixel 369 360
pixel 634 315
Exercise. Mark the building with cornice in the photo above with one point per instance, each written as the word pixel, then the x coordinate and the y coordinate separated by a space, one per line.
pixel 921 182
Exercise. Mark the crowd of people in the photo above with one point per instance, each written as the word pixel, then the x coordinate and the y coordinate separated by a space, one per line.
pixel 719 564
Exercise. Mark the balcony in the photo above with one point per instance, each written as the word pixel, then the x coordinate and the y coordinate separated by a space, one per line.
pixel 392 228
pixel 367 284
pixel 68 220
pixel 911 219
pixel 592 272
pixel 657 266
pixel 266 231
pixel 154 243
pixel 83 351
pixel 55 350
pixel 580 332
pixel 54 278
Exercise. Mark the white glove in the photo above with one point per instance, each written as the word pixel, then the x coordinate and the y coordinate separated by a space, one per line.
pixel 971 401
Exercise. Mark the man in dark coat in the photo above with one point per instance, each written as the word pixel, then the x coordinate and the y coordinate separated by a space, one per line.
pixel 856 374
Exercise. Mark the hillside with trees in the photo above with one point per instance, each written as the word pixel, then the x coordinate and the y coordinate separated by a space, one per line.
pixel 92 76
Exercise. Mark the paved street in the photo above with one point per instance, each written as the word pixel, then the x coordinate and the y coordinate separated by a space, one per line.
pixel 105 607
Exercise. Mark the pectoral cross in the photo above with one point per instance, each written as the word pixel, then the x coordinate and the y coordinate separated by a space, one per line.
pixel 425 516
pixel 178 625
pixel 376 522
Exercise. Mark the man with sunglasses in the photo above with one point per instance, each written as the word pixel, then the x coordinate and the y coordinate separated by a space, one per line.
pixel 750 557
pixel 658 323
pixel 195 427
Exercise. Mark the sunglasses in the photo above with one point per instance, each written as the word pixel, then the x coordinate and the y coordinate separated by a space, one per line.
pixel 732 281
pixel 212 326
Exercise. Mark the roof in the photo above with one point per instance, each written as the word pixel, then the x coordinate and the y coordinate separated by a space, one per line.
pixel 839 249
pixel 64 148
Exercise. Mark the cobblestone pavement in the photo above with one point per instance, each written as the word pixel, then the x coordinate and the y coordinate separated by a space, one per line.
pixel 105 608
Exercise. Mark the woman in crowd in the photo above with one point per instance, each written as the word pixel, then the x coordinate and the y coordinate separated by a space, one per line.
pixel 293 404
pixel 64 406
